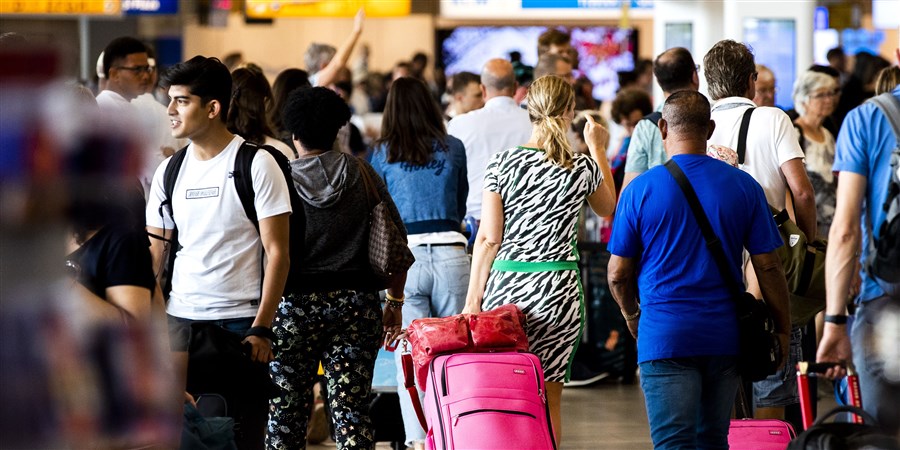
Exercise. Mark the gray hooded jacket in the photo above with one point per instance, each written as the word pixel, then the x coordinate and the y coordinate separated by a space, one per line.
pixel 336 222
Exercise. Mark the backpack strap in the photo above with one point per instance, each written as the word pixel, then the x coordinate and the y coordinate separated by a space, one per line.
pixel 653 117
pixel 243 180
pixel 742 134
pixel 890 107
pixel 169 177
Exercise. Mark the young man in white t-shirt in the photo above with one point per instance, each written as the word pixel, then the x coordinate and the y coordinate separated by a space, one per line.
pixel 217 275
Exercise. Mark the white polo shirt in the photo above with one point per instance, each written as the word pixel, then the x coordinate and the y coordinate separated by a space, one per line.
pixel 499 125
pixel 771 142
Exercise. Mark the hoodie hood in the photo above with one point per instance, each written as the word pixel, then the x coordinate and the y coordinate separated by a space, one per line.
pixel 320 179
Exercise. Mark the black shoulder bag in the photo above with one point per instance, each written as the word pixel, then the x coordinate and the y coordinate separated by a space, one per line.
pixel 760 351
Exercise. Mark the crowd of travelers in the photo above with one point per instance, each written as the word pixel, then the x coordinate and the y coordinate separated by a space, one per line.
pixel 257 199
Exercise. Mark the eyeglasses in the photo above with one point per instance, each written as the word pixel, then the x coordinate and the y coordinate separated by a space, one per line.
pixel 828 94
pixel 697 67
pixel 755 75
pixel 137 69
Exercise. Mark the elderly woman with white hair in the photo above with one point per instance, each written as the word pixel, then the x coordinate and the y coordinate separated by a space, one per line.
pixel 815 97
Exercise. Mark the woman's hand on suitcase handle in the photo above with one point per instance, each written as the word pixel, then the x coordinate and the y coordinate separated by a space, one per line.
pixel 391 319
pixel 834 346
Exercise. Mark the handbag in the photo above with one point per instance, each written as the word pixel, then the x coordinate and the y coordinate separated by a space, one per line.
pixel 498 330
pixel 803 260
pixel 389 251
pixel 759 349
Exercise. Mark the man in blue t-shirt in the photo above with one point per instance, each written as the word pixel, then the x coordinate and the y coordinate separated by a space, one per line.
pixel 863 160
pixel 686 324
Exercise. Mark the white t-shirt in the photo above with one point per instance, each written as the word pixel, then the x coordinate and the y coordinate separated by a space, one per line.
pixel 771 142
pixel 499 125
pixel 217 271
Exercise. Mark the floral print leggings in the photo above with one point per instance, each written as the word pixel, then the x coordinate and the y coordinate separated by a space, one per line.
pixel 343 330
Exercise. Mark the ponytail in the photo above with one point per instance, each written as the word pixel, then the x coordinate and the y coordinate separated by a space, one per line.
pixel 555 142
pixel 549 100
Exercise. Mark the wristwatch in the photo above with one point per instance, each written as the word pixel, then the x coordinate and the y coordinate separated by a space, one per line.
pixel 837 319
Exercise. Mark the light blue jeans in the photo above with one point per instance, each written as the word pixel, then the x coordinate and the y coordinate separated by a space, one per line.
pixel 880 397
pixel 436 286
pixel 689 401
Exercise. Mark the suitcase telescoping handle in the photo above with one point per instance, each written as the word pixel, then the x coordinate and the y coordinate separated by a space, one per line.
pixel 805 368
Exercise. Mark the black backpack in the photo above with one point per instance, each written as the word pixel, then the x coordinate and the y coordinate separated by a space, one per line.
pixel 884 253
pixel 243 183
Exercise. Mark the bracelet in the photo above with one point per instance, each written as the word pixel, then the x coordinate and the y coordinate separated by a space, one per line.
pixel 261 331
pixel 393 304
pixel 837 319
pixel 630 317
pixel 394 299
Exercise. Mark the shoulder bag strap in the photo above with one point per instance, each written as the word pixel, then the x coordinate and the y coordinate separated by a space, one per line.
pixel 712 241
pixel 742 134
pixel 371 193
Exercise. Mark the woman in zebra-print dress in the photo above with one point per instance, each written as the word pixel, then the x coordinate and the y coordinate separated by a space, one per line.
pixel 525 249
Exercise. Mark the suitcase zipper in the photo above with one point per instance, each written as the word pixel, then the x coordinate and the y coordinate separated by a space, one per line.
pixel 502 411
pixel 437 402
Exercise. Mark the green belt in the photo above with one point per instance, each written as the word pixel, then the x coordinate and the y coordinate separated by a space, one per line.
pixel 504 265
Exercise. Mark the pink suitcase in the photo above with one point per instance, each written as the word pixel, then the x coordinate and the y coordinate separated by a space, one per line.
pixel 759 434
pixel 487 401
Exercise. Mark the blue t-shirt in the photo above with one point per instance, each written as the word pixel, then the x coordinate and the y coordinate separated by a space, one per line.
pixel 686 304
pixel 864 146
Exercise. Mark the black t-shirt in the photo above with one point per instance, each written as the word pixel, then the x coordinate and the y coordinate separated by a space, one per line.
pixel 114 256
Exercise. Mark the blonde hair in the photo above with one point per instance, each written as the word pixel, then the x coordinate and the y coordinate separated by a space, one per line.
pixel 549 99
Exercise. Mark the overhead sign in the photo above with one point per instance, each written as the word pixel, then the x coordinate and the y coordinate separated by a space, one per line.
pixel 137 7
pixel 61 7
pixel 586 4
pixel 267 9
pixel 546 9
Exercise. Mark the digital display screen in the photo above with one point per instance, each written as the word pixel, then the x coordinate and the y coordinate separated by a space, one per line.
pixel 602 51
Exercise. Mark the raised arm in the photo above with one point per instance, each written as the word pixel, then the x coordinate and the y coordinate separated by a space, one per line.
pixel 603 199
pixel 327 75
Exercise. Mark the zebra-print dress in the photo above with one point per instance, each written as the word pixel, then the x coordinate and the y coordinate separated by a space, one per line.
pixel 536 266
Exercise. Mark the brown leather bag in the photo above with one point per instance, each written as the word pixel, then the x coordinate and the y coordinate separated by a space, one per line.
pixel 389 252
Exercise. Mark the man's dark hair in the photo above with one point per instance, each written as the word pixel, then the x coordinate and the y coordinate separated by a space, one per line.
pixel 836 52
pixel 118 50
pixel 515 56
pixel 686 112
pixel 827 70
pixel 628 100
pixel 728 67
pixel 205 77
pixel 674 69
pixel 314 116
pixel 460 80
pixel 420 58
pixel 550 37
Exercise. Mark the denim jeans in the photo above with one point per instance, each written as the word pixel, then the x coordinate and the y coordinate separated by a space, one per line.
pixel 436 286
pixel 780 388
pixel 689 400
pixel 879 397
